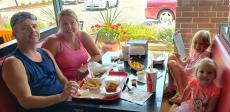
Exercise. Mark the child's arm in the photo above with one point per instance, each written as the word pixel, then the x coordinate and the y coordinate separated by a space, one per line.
pixel 184 96
pixel 211 104
pixel 186 93
pixel 181 62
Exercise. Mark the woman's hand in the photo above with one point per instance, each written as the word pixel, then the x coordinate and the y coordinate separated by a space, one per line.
pixel 82 70
pixel 82 73
pixel 71 87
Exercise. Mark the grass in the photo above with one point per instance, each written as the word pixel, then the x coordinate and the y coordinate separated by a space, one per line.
pixel 139 32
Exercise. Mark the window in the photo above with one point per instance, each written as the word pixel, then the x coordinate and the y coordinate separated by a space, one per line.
pixel 43 9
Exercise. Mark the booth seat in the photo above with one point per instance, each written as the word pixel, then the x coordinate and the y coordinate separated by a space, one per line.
pixel 221 55
pixel 8 102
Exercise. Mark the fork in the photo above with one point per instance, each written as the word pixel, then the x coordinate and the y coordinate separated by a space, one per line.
pixel 127 87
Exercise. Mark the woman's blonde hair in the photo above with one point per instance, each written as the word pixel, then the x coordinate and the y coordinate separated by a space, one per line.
pixel 205 61
pixel 201 35
pixel 67 12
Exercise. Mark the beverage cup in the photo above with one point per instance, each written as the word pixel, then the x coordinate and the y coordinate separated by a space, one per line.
pixel 151 78
pixel 126 52
pixel 140 75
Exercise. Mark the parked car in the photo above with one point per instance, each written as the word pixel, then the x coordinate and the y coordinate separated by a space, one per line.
pixel 162 10
pixel 101 4
pixel 72 1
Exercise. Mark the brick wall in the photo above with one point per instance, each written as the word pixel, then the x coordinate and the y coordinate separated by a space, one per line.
pixel 194 15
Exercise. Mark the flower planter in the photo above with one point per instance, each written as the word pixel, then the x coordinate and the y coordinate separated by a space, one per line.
pixel 109 46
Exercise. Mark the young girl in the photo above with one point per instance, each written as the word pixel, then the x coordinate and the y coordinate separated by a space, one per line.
pixel 202 90
pixel 180 71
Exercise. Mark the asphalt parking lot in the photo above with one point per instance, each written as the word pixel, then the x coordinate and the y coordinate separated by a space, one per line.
pixel 132 12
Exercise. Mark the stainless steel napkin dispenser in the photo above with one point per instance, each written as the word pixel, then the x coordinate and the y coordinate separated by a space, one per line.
pixel 138 47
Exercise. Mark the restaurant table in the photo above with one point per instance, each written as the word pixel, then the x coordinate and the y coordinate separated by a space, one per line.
pixel 153 104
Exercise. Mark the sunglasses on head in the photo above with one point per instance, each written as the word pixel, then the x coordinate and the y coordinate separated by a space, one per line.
pixel 23 17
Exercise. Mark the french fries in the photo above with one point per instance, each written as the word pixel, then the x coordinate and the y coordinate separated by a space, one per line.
pixel 92 83
pixel 136 65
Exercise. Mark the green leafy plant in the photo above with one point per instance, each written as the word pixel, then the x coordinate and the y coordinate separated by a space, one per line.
pixel 109 29
pixel 164 35
pixel 139 32
pixel 48 16
pixel 110 32
pixel 109 16
pixel 41 25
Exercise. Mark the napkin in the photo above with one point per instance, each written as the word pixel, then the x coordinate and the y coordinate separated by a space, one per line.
pixel 135 95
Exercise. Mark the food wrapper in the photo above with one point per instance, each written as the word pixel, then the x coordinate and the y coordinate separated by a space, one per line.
pixel 108 81
pixel 98 71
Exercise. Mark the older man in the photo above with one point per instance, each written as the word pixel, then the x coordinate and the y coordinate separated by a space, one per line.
pixel 31 73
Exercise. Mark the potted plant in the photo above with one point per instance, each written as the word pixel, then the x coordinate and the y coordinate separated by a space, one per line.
pixel 109 32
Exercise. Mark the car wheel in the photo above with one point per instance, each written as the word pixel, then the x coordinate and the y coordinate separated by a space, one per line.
pixel 107 5
pixel 166 17
pixel 117 3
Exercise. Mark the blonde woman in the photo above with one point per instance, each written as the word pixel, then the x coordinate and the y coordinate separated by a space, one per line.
pixel 72 49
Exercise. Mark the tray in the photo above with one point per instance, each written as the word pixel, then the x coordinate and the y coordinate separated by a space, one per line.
pixel 108 97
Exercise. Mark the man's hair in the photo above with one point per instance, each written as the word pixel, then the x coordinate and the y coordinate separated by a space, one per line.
pixel 21 16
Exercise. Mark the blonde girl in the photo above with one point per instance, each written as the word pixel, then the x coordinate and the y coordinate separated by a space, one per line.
pixel 202 91
pixel 180 71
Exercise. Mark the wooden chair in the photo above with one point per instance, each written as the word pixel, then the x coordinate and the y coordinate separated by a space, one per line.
pixel 179 45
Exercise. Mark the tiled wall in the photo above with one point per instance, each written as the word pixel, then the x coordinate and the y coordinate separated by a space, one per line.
pixel 194 15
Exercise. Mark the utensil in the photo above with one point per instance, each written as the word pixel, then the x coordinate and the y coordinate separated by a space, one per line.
pixel 127 87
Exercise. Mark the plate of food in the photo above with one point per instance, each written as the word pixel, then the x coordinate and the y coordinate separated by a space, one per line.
pixel 92 85
pixel 108 89
pixel 113 86
pixel 136 65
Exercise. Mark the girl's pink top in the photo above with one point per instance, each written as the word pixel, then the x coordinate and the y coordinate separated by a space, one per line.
pixel 69 60
pixel 192 60
pixel 202 94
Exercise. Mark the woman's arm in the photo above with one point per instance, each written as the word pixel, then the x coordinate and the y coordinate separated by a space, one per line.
pixel 212 104
pixel 52 44
pixel 15 77
pixel 91 48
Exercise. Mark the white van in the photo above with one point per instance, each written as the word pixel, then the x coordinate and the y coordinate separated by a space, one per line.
pixel 101 4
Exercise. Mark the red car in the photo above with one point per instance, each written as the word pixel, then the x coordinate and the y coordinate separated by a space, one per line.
pixel 162 10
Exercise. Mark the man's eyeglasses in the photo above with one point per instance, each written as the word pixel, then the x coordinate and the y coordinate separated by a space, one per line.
pixel 22 17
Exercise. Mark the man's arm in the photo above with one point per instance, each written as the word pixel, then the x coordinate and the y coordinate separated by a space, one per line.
pixel 16 79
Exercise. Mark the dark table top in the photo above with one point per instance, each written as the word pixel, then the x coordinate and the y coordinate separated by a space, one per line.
pixel 153 104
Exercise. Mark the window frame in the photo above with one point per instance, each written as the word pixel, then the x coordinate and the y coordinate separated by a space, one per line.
pixel 8 47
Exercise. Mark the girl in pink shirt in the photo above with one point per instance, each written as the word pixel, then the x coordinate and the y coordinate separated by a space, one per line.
pixel 202 91
pixel 180 71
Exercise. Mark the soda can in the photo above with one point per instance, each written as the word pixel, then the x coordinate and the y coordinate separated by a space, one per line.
pixel 151 79
pixel 126 51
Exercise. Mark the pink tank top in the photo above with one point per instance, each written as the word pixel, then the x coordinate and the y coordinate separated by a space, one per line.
pixel 69 60
pixel 192 60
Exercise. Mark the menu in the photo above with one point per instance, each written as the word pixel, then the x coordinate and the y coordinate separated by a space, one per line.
pixel 135 95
